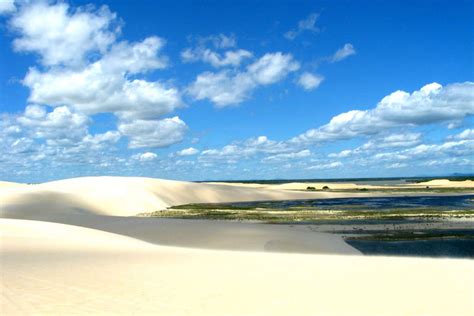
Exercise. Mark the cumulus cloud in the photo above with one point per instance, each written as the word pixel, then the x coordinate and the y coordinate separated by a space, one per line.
pixel 98 140
pixel 226 88
pixel 433 103
pixel 322 166
pixel 147 156
pixel 243 150
pixel 187 152
pixel 342 53
pixel 59 127
pixel 153 133
pixel 396 165
pixel 393 140
pixel 228 58
pixel 287 156
pixel 103 85
pixel 210 50
pixel 7 6
pixel 87 71
pixel 61 35
pixel 310 81
pixel 219 41
pixel 466 134
pixel 308 24
pixel 342 154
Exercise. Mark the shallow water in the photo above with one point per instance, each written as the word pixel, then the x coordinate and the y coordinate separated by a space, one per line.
pixel 452 248
pixel 452 243
pixel 459 202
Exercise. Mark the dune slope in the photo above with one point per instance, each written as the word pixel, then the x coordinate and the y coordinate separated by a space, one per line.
pixel 55 269
pixel 128 196
pixel 109 203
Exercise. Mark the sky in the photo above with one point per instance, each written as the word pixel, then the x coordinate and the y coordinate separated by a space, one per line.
pixel 220 90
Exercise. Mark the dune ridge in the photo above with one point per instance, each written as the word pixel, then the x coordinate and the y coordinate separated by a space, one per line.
pixel 128 196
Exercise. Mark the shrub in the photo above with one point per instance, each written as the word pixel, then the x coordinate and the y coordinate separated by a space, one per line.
pixel 311 188
pixel 325 187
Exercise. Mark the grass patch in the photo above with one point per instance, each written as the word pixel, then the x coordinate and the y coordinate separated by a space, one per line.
pixel 413 235
pixel 299 214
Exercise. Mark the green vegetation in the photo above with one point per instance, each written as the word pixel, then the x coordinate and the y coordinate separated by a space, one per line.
pixel 412 235
pixel 301 214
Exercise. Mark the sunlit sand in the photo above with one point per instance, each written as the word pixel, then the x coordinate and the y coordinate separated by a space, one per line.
pixel 70 247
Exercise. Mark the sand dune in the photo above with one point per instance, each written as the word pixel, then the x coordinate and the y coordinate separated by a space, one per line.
pixel 128 196
pixel 445 183
pixel 107 203
pixel 6 184
pixel 105 261
pixel 54 269
pixel 440 183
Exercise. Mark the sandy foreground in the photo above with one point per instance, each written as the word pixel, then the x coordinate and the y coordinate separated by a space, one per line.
pixel 74 247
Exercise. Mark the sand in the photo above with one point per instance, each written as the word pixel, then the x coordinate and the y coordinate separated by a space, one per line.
pixel 439 183
pixel 55 269
pixel 128 196
pixel 73 247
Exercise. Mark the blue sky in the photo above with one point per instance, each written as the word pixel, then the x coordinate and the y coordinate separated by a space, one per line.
pixel 235 90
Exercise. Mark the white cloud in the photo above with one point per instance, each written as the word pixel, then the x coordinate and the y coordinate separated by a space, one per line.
pixel 89 72
pixel 433 103
pixel 396 165
pixel 144 157
pixel 61 35
pixel 229 88
pixel 272 67
pixel 287 156
pixel 7 6
pixel 244 150
pixel 310 81
pixel 466 134
pixel 100 139
pixel 103 85
pixel 59 127
pixel 343 154
pixel 219 41
pixel 133 58
pixel 393 140
pixel 342 53
pixel 307 24
pixel 228 58
pixel 330 165
pixel 188 152
pixel 153 133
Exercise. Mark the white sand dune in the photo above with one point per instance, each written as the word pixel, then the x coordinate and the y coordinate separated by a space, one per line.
pixel 55 269
pixel 445 183
pixel 105 261
pixel 128 196
pixel 440 183
pixel 6 184
pixel 109 203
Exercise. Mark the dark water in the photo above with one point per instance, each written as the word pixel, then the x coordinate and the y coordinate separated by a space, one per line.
pixel 452 248
pixel 454 244
pixel 459 202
